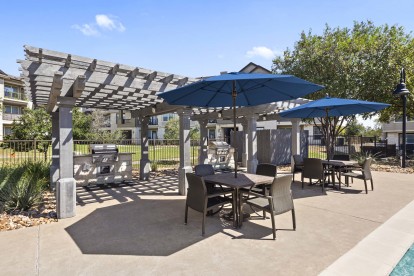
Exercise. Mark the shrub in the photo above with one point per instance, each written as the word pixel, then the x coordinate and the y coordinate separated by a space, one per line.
pixel 22 185
pixel 154 166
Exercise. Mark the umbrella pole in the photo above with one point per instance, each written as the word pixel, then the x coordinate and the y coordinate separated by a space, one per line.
pixel 328 138
pixel 234 95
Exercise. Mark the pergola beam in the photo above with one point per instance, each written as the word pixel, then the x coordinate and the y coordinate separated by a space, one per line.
pixel 55 91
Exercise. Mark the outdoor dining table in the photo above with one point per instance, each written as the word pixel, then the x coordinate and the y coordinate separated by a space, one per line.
pixel 243 180
pixel 339 166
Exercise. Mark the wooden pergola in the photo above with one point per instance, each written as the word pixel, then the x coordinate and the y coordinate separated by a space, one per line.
pixel 61 81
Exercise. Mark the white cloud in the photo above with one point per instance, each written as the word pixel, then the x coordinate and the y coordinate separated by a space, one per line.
pixel 261 51
pixel 87 29
pixel 102 23
pixel 108 22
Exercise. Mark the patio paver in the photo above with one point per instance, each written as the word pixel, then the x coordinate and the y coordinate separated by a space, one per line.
pixel 139 229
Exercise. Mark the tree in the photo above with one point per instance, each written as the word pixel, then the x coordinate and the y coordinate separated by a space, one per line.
pixel 172 130
pixel 34 124
pixel 372 132
pixel 96 133
pixel 360 63
pixel 81 124
pixel 354 129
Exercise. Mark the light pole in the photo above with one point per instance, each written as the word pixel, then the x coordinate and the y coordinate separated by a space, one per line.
pixel 402 91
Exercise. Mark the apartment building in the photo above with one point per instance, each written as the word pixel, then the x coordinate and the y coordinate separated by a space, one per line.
pixel 392 131
pixel 12 100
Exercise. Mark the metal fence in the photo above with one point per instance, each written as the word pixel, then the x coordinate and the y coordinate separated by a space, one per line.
pixel 349 145
pixel 164 154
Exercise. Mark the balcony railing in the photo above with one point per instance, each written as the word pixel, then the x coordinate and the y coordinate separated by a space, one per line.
pixel 11 117
pixel 153 122
pixel 15 96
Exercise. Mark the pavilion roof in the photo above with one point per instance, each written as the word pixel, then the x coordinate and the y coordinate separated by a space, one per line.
pixel 100 84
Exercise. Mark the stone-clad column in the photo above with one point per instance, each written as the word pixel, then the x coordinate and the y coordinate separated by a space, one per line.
pixel 66 186
pixel 295 139
pixel 252 149
pixel 54 167
pixel 185 151
pixel 245 144
pixel 144 163
pixel 203 154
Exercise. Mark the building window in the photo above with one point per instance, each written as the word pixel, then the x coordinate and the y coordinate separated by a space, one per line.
pixel 13 92
pixel 11 109
pixel 212 134
pixel 317 134
pixel 7 131
pixel 409 138
pixel 107 120
pixel 153 121
pixel 152 134
pixel 167 117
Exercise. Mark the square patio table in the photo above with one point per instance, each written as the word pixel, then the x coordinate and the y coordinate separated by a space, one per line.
pixel 339 166
pixel 243 180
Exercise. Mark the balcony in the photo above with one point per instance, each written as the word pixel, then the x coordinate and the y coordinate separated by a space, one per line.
pixel 15 96
pixel 11 117
pixel 153 121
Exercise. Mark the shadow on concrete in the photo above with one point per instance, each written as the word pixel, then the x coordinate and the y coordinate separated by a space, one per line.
pixel 307 191
pixel 162 185
pixel 150 227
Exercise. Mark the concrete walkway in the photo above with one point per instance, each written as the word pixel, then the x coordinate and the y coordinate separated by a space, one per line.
pixel 139 230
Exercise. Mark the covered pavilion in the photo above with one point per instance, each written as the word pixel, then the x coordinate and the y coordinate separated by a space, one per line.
pixel 61 81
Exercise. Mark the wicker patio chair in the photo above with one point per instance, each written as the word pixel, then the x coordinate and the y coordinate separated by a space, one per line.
pixel 279 202
pixel 207 169
pixel 298 164
pixel 314 169
pixel 199 200
pixel 364 174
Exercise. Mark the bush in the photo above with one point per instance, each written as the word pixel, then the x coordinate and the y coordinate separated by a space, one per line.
pixel 22 185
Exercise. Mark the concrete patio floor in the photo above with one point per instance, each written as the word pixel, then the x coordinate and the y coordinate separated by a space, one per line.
pixel 138 229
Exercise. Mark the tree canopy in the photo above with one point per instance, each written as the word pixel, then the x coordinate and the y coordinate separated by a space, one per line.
pixel 36 124
pixel 360 63
pixel 33 124
pixel 172 130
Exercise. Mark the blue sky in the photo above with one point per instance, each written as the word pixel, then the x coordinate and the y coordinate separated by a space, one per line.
pixel 187 37
pixel 191 38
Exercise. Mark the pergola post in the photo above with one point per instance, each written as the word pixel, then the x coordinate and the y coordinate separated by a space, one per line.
pixel 252 138
pixel 295 139
pixel 185 151
pixel 144 162
pixel 203 155
pixel 245 144
pixel 54 167
pixel 66 185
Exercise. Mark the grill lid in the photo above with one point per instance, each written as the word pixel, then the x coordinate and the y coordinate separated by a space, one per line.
pixel 103 148
pixel 218 145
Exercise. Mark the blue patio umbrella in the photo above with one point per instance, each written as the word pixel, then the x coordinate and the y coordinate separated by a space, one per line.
pixel 240 89
pixel 332 107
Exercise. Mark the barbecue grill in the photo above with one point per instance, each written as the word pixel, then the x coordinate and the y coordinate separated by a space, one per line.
pixel 104 164
pixel 104 153
pixel 220 154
